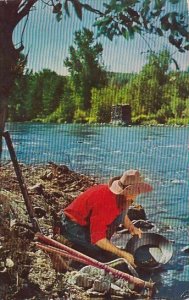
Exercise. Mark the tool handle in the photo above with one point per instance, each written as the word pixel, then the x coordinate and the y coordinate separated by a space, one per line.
pixel 21 182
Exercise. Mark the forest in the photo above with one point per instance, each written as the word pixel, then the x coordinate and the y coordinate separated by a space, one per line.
pixel 158 94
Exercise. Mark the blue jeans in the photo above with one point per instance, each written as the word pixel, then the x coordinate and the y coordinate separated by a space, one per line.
pixel 80 237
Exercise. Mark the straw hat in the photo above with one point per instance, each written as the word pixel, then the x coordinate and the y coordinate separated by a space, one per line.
pixel 130 183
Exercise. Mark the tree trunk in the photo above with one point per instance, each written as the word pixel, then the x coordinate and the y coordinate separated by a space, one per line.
pixel 8 70
pixel 3 115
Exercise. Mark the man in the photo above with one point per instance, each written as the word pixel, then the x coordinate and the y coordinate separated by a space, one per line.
pixel 91 219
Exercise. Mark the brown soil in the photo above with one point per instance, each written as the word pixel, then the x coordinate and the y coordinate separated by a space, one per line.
pixel 25 271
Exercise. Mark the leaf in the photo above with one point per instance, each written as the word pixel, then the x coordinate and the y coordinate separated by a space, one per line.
pixel 146 7
pixel 126 3
pixel 59 17
pixel 109 35
pixel 133 13
pixel 137 29
pixel 131 32
pixel 159 32
pixel 66 8
pixel 175 42
pixel 126 20
pixel 57 8
pixel 125 33
pixel 78 8
pixel 165 25
pixel 103 21
pixel 159 4
pixel 156 13
pixel 183 31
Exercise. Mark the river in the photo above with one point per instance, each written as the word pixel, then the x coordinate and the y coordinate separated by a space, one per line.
pixel 160 153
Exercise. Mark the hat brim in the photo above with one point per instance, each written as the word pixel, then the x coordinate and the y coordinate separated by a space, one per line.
pixel 132 189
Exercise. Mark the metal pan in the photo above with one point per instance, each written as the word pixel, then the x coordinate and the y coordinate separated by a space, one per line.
pixel 150 251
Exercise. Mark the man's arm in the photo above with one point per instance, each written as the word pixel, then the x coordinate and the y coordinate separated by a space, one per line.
pixel 132 229
pixel 105 244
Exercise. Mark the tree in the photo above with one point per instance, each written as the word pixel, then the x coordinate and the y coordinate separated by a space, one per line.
pixel 84 66
pixel 52 87
pixel 17 100
pixel 119 17
pixel 144 91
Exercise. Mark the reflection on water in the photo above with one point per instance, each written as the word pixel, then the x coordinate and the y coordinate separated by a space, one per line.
pixel 161 153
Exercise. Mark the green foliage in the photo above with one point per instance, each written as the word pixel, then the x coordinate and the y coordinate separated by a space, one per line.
pixel 186 110
pixel 177 107
pixel 119 79
pixel 85 70
pixel 144 119
pixel 178 121
pixel 101 105
pixel 80 116
pixel 35 95
pixel 156 95
pixel 127 18
pixel 163 114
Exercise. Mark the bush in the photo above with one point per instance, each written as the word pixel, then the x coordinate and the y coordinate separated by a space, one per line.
pixel 143 119
pixel 91 120
pixel 178 121
pixel 152 122
pixel 80 116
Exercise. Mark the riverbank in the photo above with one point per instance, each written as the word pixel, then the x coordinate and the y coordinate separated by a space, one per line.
pixel 25 271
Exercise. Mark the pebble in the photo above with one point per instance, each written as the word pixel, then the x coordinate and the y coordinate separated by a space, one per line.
pixel 9 263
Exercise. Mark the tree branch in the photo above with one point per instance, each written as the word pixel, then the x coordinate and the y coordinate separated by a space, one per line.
pixel 23 4
pixel 47 2
pixel 22 34
pixel 25 10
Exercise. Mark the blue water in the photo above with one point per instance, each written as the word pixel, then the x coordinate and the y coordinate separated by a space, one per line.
pixel 160 153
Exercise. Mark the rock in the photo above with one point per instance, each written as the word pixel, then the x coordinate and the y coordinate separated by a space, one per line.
pixel 62 169
pixel 123 284
pixel 116 290
pixel 70 277
pixel 47 176
pixel 42 273
pixel 39 212
pixel 136 212
pixel 3 269
pixel 38 188
pixel 95 295
pixel 115 297
pixel 84 281
pixel 9 263
pixel 101 286
pixel 145 224
pixel 92 271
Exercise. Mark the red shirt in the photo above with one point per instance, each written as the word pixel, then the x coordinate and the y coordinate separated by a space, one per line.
pixel 97 207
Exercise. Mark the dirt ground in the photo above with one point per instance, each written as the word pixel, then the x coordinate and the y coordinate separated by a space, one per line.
pixel 25 271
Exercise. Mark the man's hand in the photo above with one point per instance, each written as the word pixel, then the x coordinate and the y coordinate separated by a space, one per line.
pixel 132 229
pixel 135 231
pixel 105 244
pixel 129 258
